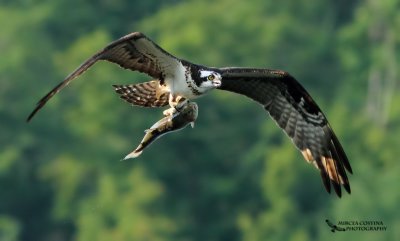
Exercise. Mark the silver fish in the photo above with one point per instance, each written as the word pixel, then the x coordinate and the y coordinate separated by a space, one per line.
pixel 176 120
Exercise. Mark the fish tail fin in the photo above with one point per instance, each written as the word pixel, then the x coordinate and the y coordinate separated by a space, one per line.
pixel 133 154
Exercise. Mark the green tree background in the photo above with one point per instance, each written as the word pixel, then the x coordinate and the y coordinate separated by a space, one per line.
pixel 60 175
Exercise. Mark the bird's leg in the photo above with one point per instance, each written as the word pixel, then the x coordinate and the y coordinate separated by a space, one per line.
pixel 172 103
pixel 176 102
pixel 181 102
pixel 169 112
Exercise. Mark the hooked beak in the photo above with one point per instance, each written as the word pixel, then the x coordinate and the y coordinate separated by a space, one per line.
pixel 217 81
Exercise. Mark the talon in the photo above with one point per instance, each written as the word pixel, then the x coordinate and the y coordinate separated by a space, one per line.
pixel 169 112
pixel 182 102
pixel 177 102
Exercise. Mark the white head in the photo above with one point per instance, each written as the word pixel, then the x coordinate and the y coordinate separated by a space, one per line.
pixel 209 79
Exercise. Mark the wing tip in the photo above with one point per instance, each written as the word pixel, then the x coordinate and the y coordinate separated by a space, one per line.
pixel 81 69
pixel 337 188
pixel 325 180
pixel 40 105
pixel 328 183
pixel 335 162
pixel 333 174
pixel 29 118
pixel 347 187
pixel 339 150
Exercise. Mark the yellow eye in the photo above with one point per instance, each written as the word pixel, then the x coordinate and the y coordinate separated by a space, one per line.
pixel 211 77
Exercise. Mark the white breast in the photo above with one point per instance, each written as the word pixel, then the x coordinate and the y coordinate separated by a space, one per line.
pixel 179 85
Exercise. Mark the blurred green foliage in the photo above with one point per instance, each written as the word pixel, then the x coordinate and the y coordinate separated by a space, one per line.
pixel 235 176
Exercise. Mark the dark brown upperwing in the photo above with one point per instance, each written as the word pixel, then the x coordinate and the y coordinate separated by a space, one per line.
pixel 293 109
pixel 134 52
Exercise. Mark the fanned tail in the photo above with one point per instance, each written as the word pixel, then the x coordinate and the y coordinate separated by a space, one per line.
pixel 147 94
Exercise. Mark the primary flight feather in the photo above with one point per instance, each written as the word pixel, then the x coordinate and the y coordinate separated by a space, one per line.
pixel 176 80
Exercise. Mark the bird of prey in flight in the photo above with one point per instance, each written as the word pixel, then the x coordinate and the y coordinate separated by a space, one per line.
pixel 176 80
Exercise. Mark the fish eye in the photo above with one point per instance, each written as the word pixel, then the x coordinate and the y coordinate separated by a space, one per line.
pixel 211 77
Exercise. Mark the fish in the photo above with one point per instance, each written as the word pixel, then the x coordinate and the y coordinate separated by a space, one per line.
pixel 174 121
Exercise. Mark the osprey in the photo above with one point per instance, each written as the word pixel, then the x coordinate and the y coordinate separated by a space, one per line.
pixel 177 80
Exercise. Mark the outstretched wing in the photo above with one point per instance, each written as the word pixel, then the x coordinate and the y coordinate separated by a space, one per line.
pixel 134 52
pixel 148 94
pixel 298 115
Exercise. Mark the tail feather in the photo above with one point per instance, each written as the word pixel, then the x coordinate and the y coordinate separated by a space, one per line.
pixel 147 94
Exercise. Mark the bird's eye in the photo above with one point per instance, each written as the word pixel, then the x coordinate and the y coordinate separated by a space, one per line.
pixel 211 77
